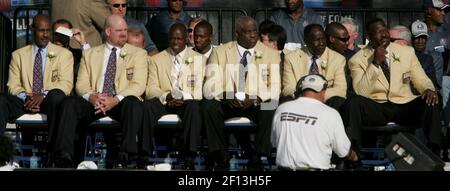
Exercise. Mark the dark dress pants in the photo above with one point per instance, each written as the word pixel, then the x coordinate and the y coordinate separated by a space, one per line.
pixel 77 112
pixel 191 121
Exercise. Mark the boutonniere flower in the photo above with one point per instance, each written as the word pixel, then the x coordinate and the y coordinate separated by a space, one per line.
pixel 51 55
pixel 189 60
pixel 323 64
pixel 395 57
pixel 123 54
pixel 258 55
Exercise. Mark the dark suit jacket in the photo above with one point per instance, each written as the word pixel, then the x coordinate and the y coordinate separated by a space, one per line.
pixel 348 75
pixel 427 64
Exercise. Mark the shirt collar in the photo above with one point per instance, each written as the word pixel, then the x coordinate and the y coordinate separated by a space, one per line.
pixel 310 55
pixel 181 54
pixel 35 48
pixel 241 50
pixel 207 54
pixel 110 47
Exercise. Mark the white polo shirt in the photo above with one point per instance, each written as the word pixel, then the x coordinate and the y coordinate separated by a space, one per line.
pixel 305 131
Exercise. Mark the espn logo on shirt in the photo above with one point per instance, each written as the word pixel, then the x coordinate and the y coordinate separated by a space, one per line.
pixel 287 116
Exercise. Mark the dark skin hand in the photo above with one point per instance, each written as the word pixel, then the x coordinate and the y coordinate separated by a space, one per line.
pixel 172 102
pixel 233 103
pixel 33 101
pixel 430 97
pixel 250 102
pixel 380 54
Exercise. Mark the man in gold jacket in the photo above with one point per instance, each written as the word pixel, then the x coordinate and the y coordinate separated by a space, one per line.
pixel 40 76
pixel 242 79
pixel 175 85
pixel 111 81
pixel 381 73
pixel 316 58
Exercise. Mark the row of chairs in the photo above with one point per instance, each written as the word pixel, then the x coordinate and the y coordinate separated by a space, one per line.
pixel 38 123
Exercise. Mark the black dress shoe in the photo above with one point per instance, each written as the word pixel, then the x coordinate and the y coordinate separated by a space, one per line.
pixel 63 160
pixel 189 164
pixel 121 161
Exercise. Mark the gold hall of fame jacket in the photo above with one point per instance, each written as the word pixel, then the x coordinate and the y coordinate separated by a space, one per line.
pixel 263 76
pixel 58 72
pixel 369 81
pixel 331 66
pixel 190 78
pixel 131 71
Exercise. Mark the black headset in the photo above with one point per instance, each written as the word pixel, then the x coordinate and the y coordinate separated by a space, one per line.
pixel 298 90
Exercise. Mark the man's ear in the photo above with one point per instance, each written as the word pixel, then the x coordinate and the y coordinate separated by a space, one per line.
pixel 108 31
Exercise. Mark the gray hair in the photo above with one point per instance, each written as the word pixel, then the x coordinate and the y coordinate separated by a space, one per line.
pixel 403 33
pixel 352 22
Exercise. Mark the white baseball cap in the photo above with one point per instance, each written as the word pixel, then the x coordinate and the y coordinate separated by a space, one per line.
pixel 313 82
pixel 419 28
pixel 435 3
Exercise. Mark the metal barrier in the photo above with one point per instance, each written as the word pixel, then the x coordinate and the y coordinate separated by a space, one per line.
pixel 223 19
pixel 220 18
pixel 391 16
pixel 22 19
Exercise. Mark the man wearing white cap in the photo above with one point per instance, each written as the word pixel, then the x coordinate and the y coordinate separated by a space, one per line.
pixel 305 131
pixel 419 40
pixel 436 44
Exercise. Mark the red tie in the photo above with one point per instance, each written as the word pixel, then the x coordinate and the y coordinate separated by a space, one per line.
pixel 108 84
pixel 37 73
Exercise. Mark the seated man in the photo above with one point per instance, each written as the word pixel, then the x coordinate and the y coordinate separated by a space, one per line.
pixel 63 41
pixel 241 75
pixel 110 82
pixel 40 76
pixel 419 40
pixel 316 58
pixel 136 37
pixel 381 73
pixel 175 85
pixel 306 132
pixel 203 36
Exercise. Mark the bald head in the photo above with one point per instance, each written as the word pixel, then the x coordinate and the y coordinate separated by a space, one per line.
pixel 246 33
pixel 41 30
pixel 116 30
pixel 177 37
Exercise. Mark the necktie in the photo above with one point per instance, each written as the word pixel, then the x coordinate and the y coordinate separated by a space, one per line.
pixel 175 72
pixel 242 71
pixel 37 72
pixel 108 84
pixel 385 68
pixel 244 58
pixel 314 69
pixel 281 64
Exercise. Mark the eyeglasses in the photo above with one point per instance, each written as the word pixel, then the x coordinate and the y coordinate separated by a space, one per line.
pixel 342 39
pixel 124 5
pixel 190 30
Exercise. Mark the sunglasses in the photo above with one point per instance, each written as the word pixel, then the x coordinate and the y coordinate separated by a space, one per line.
pixel 190 30
pixel 124 5
pixel 342 39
